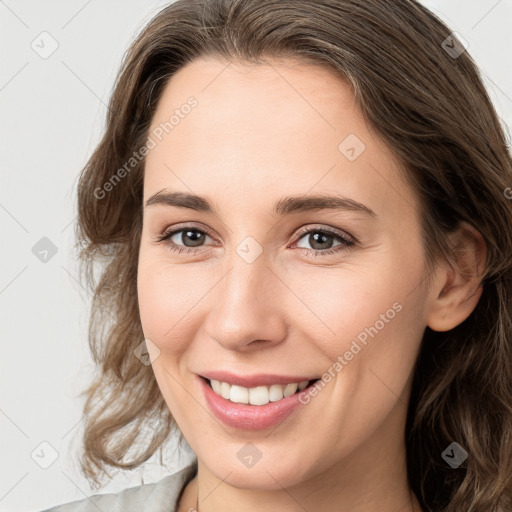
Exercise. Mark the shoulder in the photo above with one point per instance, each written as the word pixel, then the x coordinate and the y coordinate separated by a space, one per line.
pixel 161 496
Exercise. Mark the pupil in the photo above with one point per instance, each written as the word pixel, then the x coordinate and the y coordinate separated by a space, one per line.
pixel 323 237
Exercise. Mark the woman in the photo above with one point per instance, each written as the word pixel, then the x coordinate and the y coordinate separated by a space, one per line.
pixel 303 216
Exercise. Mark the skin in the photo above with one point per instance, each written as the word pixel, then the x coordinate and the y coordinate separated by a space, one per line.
pixel 257 134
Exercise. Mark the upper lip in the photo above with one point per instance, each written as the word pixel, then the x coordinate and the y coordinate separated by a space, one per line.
pixel 252 381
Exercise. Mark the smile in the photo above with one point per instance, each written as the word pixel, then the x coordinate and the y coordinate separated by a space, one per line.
pixel 262 405
pixel 259 395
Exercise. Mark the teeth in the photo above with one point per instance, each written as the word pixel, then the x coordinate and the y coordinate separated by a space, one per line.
pixel 276 392
pixel 224 390
pixel 290 389
pixel 216 385
pixel 239 394
pixel 259 395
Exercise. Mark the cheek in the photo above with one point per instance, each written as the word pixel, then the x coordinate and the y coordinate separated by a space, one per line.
pixel 167 296
pixel 338 303
pixel 166 299
pixel 367 315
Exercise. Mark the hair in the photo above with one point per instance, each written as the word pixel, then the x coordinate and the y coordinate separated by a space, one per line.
pixel 433 112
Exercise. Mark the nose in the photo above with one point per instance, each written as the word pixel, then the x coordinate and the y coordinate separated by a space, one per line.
pixel 248 310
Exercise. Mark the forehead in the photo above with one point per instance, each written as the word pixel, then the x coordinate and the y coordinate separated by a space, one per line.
pixel 284 128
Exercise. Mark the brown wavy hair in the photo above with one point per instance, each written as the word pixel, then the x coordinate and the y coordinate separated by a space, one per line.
pixel 433 111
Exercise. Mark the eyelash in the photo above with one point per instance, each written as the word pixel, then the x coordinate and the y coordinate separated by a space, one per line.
pixel 346 242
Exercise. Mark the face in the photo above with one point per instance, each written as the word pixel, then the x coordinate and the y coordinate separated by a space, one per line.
pixel 250 283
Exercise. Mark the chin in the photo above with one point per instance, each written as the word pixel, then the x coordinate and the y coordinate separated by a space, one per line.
pixel 264 476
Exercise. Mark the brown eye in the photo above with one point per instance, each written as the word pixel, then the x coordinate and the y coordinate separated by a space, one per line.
pixel 188 237
pixel 322 241
pixel 184 239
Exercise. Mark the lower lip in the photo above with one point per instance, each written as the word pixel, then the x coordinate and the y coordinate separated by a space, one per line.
pixel 246 416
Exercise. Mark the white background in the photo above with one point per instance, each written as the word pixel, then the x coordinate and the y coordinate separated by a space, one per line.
pixel 52 115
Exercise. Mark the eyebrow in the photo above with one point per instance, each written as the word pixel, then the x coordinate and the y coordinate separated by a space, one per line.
pixel 285 206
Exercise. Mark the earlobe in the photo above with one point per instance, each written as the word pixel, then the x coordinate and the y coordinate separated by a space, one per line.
pixel 459 287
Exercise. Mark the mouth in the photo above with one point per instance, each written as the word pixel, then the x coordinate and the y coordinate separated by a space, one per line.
pixel 258 395
pixel 255 408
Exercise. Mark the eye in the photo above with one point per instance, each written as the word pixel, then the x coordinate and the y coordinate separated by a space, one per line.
pixel 321 241
pixel 184 239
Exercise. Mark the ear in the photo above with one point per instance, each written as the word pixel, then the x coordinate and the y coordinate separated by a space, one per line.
pixel 458 288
